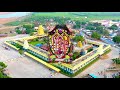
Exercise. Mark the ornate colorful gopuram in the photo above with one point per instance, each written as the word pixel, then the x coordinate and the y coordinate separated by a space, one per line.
pixel 59 41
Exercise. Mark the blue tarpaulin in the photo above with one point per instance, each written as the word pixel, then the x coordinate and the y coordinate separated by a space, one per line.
pixel 38 45
pixel 92 75
pixel 108 41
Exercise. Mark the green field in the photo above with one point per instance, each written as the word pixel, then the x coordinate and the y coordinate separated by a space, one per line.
pixel 80 16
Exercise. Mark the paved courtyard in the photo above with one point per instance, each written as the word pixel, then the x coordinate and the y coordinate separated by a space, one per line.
pixel 25 67
pixel 19 66
pixel 8 54
pixel 101 65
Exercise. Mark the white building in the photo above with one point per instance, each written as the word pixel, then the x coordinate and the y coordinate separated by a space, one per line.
pixel 107 23
pixel 35 28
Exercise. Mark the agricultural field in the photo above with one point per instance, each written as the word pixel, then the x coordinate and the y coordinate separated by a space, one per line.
pixel 63 16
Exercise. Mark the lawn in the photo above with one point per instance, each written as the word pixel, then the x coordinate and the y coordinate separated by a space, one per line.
pixel 107 52
pixel 36 42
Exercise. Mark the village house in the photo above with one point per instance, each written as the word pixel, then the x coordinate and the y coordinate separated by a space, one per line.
pixel 107 23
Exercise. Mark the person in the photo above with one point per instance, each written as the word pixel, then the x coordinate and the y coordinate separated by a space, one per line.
pixel 101 73
pixel 50 75
pixel 98 73
pixel 105 76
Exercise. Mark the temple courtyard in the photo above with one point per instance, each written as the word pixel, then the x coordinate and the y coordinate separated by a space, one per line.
pixel 24 67
pixel 19 66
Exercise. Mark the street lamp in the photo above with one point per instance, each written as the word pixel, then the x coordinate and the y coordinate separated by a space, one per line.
pixel 105 76
pixel 119 53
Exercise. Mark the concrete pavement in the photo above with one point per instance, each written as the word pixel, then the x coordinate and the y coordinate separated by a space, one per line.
pixel 100 65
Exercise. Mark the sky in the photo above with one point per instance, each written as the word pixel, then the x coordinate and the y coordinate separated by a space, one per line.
pixel 15 14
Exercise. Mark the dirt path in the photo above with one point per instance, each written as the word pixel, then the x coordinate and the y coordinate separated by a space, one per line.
pixel 7 20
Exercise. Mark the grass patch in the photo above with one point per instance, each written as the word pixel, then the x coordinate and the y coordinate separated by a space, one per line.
pixel 2 66
pixel 36 42
pixel 107 52
pixel 3 76
pixel 117 76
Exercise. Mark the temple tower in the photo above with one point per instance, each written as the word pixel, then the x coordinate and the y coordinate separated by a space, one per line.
pixel 79 44
pixel 26 45
pixel 40 30
pixel 100 49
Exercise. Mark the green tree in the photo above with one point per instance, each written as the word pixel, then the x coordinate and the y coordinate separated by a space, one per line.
pixel 116 60
pixel 78 24
pixel 90 49
pixel 21 51
pixel 99 28
pixel 78 38
pixel 95 35
pixel 113 27
pixel 75 55
pixel 3 75
pixel 105 32
pixel 18 31
pixel 46 40
pixel 2 65
pixel 29 31
pixel 116 39
pixel 90 27
pixel 32 33
pixel 96 24
pixel 83 23
pixel 28 26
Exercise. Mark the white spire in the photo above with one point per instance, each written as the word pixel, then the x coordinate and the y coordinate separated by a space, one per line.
pixel 26 45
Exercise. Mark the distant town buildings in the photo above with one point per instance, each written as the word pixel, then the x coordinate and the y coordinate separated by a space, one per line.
pixel 88 32
pixel 118 32
pixel 35 28
pixel 107 23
